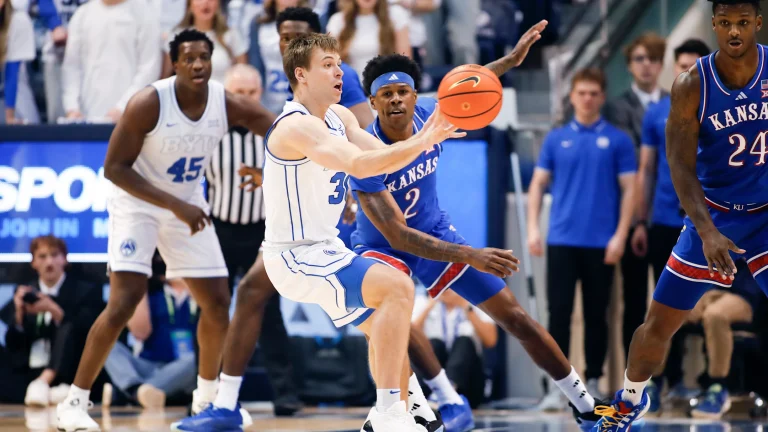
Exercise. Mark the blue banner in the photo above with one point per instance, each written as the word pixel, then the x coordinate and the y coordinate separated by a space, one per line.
pixel 53 188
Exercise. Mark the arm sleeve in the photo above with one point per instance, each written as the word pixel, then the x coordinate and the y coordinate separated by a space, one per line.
pixel 148 57
pixel 72 67
pixel 351 91
pixel 649 136
pixel 49 14
pixel 626 158
pixel 11 83
pixel 547 155
pixel 369 185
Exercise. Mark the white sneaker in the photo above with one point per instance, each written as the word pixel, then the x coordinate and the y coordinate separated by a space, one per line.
pixel 37 394
pixel 73 416
pixel 553 401
pixel 396 418
pixel 198 403
pixel 58 394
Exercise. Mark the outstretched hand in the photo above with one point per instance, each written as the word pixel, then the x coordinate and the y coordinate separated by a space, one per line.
pixel 438 129
pixel 525 43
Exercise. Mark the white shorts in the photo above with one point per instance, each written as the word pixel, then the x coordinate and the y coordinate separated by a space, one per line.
pixel 137 227
pixel 327 274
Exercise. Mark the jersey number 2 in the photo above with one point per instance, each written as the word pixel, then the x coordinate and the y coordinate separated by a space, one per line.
pixel 741 143
pixel 341 188
pixel 179 168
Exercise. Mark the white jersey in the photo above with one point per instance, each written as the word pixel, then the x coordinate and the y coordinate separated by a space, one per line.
pixel 303 200
pixel 176 152
pixel 277 89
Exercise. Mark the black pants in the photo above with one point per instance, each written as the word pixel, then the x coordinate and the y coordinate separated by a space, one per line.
pixel 66 348
pixel 661 240
pixel 240 246
pixel 565 266
pixel 634 273
pixel 464 367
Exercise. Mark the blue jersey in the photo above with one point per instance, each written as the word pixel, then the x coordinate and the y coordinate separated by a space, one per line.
pixel 666 205
pixel 732 148
pixel 585 163
pixel 413 187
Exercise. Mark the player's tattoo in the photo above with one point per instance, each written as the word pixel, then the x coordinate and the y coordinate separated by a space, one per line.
pixel 382 210
pixel 682 133
pixel 502 65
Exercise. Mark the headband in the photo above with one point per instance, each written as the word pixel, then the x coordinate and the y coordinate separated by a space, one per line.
pixel 391 78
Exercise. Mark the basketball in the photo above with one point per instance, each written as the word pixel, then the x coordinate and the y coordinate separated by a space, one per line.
pixel 470 96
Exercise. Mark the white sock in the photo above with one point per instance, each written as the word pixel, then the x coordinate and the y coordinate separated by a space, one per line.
pixel 385 398
pixel 417 403
pixel 76 392
pixel 207 388
pixel 633 391
pixel 574 389
pixel 229 392
pixel 444 390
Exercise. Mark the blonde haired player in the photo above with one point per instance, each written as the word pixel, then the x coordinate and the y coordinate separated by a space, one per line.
pixel 312 147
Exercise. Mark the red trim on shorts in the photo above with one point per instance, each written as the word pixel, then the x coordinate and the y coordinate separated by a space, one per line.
pixel 446 279
pixel 696 273
pixel 389 260
pixel 758 263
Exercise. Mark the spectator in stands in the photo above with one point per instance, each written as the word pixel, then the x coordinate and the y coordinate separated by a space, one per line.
pixel 459 18
pixel 112 52
pixel 459 332
pixel 656 242
pixel 644 58
pixel 18 37
pixel 165 322
pixel 48 321
pixel 57 20
pixel 265 53
pixel 367 28
pixel 417 30
pixel 229 47
pixel 592 166
pixel 716 311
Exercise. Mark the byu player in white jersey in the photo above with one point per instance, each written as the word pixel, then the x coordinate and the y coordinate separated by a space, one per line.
pixel 311 149
pixel 155 160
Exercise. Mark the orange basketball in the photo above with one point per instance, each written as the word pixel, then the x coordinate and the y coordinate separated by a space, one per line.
pixel 470 96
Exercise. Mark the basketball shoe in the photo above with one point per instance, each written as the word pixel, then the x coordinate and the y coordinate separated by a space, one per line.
pixel 396 418
pixel 213 418
pixel 457 418
pixel 618 416
pixel 73 416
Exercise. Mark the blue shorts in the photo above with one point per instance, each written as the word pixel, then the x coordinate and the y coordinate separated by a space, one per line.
pixel 473 285
pixel 686 276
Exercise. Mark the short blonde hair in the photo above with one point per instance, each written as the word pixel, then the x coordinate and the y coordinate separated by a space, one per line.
pixel 299 53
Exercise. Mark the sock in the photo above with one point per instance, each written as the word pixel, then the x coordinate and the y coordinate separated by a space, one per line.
pixel 417 403
pixel 206 388
pixel 229 391
pixel 573 388
pixel 76 392
pixel 444 390
pixel 385 398
pixel 633 391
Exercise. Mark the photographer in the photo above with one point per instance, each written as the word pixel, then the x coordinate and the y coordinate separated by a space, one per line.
pixel 48 321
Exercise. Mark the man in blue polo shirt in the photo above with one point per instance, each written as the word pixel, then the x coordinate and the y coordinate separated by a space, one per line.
pixel 667 215
pixel 592 166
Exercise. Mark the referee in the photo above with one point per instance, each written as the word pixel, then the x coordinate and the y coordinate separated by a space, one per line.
pixel 238 215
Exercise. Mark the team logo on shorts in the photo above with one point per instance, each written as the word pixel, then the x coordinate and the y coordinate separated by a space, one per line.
pixel 128 247
pixel 329 252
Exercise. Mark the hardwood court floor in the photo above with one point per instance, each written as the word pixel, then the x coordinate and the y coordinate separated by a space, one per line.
pixel 16 418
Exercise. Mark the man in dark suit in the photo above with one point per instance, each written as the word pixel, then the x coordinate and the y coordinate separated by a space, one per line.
pixel 48 321
pixel 644 60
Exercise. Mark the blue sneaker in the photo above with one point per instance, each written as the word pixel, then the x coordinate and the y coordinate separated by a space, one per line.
pixel 654 394
pixel 618 417
pixel 215 419
pixel 457 418
pixel 587 420
pixel 713 403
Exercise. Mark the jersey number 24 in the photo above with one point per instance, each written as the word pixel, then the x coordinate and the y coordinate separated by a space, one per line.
pixel 758 148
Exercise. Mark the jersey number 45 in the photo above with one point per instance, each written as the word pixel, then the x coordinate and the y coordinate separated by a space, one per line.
pixel 179 169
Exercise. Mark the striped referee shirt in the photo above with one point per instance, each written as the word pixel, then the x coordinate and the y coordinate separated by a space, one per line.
pixel 228 202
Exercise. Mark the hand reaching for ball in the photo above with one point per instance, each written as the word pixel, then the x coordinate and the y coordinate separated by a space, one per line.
pixel 438 129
